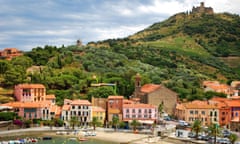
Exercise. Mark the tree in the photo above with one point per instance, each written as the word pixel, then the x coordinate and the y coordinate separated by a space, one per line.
pixel 160 109
pixel 134 124
pixel 95 122
pixel 214 131
pixel 73 121
pixel 197 127
pixel 115 122
pixel 233 138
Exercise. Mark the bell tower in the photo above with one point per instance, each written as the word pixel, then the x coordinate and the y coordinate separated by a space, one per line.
pixel 137 85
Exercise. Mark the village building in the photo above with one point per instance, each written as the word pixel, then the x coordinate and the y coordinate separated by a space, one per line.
pixel 156 94
pixel 30 92
pixel 82 109
pixel 114 107
pixel 144 113
pixel 205 111
pixel 9 53
pixel 220 88
pixel 99 113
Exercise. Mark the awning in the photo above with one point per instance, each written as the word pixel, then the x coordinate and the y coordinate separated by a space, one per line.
pixel 146 121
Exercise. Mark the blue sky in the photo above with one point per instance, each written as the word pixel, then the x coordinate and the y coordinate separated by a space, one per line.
pixel 26 24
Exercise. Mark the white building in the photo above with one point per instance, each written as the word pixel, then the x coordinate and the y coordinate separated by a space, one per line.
pixel 82 109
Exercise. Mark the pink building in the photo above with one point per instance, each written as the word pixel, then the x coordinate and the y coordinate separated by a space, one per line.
pixel 30 92
pixel 35 110
pixel 144 113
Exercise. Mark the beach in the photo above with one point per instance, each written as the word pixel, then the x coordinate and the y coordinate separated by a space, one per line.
pixel 111 136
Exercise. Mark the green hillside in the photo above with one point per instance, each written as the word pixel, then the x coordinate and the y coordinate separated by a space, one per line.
pixel 179 52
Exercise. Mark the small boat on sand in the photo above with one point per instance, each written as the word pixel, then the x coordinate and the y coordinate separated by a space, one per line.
pixel 82 139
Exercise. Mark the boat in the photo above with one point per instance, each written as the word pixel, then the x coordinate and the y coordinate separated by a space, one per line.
pixel 82 139
pixel 47 138
pixel 72 139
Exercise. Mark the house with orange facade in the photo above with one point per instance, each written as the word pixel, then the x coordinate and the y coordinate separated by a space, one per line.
pixel 9 53
pixel 114 107
pixel 205 111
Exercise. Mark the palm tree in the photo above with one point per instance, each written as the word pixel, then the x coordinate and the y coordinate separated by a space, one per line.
pixel 214 131
pixel 134 124
pixel 95 122
pixel 73 121
pixel 115 121
pixel 233 138
pixel 197 127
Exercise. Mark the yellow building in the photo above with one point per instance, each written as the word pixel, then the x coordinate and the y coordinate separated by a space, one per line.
pixel 99 113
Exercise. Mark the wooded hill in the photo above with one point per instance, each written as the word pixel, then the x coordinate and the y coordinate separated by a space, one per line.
pixel 179 52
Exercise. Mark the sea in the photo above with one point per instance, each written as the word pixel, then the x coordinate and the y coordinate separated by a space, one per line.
pixel 68 140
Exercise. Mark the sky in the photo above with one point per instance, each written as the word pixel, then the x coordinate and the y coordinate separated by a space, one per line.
pixel 26 24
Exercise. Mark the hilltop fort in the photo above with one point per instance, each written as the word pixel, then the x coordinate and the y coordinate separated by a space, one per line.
pixel 202 9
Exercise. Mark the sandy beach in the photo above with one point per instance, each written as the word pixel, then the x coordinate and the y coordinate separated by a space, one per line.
pixel 111 136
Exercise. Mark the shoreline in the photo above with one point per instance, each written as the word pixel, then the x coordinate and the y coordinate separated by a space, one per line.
pixel 111 136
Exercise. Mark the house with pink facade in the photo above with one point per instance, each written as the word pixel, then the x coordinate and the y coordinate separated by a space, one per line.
pixel 144 113
pixel 30 92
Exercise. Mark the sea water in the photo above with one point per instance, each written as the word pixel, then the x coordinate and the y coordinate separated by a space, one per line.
pixel 67 140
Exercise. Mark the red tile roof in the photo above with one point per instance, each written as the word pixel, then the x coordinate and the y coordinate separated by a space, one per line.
pixel 115 97
pixel 139 105
pixel 30 86
pixel 147 88
pixel 97 109
pixel 80 102
pixel 28 104
pixel 66 107
pixel 52 96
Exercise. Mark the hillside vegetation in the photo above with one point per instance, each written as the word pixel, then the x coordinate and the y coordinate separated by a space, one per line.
pixel 179 52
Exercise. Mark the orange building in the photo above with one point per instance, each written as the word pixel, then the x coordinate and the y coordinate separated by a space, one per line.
pixel 9 53
pixel 205 111
pixel 220 88
pixel 114 107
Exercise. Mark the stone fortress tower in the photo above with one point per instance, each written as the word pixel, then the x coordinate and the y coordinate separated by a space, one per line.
pixel 202 9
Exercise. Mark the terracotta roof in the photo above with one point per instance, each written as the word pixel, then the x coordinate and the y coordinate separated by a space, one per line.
pixel 180 107
pixel 235 83
pixel 138 105
pixel 126 101
pixel 115 97
pixel 28 104
pixel 147 88
pixel 80 102
pixel 56 109
pixel 52 96
pixel 30 86
pixel 206 83
pixel 233 103
pixel 97 109
pixel 200 105
pixel 66 107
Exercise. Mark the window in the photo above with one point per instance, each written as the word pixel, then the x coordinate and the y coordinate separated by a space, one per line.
pixel 133 110
pixel 127 116
pixel 211 113
pixel 134 116
pixel 127 110
pixel 203 112
pixel 191 112
pixel 139 110
pixel 150 111
pixel 196 112
pixel 236 114
pixel 223 113
pixel 73 107
pixel 215 113
pixel 139 116
pixel 145 111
